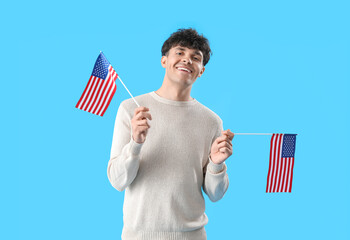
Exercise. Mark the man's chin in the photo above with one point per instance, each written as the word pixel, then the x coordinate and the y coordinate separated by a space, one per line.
pixel 182 80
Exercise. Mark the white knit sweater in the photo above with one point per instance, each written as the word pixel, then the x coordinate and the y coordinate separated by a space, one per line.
pixel 163 176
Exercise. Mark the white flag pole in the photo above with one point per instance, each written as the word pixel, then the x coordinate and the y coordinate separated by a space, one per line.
pixel 254 133
pixel 128 91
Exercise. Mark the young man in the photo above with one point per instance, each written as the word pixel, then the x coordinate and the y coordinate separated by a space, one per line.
pixel 164 152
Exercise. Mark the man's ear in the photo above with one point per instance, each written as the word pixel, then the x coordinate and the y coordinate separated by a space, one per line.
pixel 201 72
pixel 163 61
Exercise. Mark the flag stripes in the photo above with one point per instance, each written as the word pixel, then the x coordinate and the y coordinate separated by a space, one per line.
pixel 98 93
pixel 280 174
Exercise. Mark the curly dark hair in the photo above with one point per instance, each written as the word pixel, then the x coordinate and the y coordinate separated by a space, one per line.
pixel 188 38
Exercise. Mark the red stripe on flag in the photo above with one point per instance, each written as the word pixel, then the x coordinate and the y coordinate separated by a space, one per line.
pixel 92 94
pixel 109 88
pixel 99 98
pixel 276 161
pixel 104 97
pixel 86 96
pixel 95 96
pixel 270 165
pixel 111 80
pixel 273 161
pixel 114 88
pixel 284 182
pixel 281 161
pixel 110 73
pixel 288 175
pixel 109 93
pixel 91 90
pixel 83 95
pixel 291 175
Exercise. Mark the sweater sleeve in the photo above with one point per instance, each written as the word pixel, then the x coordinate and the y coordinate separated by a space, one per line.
pixel 216 181
pixel 124 160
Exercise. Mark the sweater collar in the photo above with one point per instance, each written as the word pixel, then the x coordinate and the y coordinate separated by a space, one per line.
pixel 172 102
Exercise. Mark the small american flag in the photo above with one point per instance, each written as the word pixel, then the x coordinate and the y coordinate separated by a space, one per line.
pixel 280 175
pixel 100 89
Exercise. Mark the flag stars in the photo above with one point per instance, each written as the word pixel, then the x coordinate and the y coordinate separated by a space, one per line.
pixel 288 147
pixel 101 67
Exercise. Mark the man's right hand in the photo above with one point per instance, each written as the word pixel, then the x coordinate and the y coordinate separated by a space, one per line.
pixel 140 124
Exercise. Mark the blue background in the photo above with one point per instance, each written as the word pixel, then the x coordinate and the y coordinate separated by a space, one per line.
pixel 278 66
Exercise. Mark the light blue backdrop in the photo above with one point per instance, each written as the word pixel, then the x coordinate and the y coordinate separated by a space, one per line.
pixel 278 66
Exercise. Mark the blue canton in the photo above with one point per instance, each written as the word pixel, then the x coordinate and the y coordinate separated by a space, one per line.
pixel 288 148
pixel 101 67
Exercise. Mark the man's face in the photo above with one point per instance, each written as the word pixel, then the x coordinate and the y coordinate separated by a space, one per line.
pixel 183 65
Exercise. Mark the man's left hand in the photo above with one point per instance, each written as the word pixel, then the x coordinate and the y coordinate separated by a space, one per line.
pixel 222 147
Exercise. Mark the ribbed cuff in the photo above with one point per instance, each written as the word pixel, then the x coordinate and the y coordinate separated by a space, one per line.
pixel 215 168
pixel 135 147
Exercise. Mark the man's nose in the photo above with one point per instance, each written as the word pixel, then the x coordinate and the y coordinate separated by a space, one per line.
pixel 187 60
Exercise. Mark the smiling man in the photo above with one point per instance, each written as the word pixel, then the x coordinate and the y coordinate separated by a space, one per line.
pixel 166 151
pixel 183 66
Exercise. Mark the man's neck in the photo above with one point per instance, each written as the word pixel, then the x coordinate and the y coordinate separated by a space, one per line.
pixel 174 94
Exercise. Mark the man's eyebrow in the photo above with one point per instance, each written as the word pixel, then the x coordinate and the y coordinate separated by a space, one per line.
pixel 180 48
pixel 198 53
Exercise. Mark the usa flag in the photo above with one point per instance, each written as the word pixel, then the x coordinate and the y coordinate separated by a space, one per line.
pixel 280 175
pixel 100 89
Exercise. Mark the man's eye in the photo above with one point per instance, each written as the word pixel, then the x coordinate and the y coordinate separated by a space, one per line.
pixel 178 53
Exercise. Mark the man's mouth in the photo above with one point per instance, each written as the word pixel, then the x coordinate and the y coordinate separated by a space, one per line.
pixel 183 69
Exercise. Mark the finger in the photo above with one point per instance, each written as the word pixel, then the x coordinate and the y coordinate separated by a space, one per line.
pixel 229 136
pixel 143 122
pixel 226 150
pixel 224 138
pixel 228 133
pixel 139 109
pixel 225 144
pixel 143 115
pixel 142 128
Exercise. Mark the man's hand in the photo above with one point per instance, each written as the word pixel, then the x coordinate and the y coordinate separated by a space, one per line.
pixel 140 125
pixel 222 147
